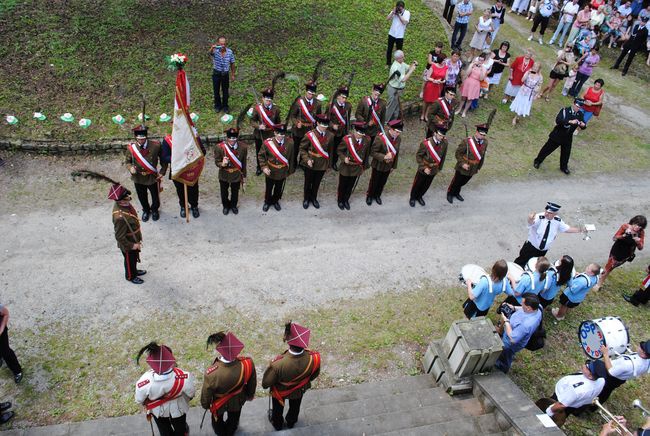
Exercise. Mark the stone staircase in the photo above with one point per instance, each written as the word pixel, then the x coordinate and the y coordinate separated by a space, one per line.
pixel 404 406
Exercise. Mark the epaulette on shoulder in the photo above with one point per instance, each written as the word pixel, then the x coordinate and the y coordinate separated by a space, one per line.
pixel 557 218
pixel 211 369
pixel 541 216
pixel 278 357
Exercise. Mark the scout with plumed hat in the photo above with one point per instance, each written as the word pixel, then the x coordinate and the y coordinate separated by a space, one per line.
pixel 340 111
pixel 470 156
pixel 372 110
pixel 165 391
pixel 266 116
pixel 228 383
pixel 430 158
pixel 353 152
pixel 384 152
pixel 290 374
pixel 277 164
pixel 315 158
pixel 442 111
pixel 141 159
pixel 231 157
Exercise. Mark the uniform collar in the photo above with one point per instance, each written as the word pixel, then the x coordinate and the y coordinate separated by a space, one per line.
pixel 295 353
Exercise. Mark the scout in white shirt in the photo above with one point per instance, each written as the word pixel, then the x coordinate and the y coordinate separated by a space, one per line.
pixel 543 228
pixel 624 368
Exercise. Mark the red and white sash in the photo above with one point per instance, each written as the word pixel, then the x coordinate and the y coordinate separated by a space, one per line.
pixel 432 151
pixel 274 150
pixel 445 107
pixel 373 112
pixel 473 146
pixel 313 138
pixel 144 163
pixel 339 115
pixel 265 117
pixel 175 392
pixel 352 149
pixel 305 111
pixel 389 145
pixel 231 155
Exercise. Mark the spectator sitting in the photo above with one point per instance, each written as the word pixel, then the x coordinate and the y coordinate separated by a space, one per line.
pixel 625 9
pixel 613 25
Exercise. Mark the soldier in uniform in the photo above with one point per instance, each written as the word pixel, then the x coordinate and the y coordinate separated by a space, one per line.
pixel 372 111
pixel 127 232
pixel 228 383
pixel 315 157
pixel 290 374
pixel 230 157
pixel 165 391
pixel 302 114
pixel 430 158
pixel 384 154
pixel 441 112
pixel 340 111
pixel 470 156
pixel 192 191
pixel 277 165
pixel 142 161
pixel 265 117
pixel 353 153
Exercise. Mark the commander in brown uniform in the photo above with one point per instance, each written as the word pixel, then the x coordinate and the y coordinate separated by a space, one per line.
pixel 141 159
pixel 470 156
pixel 315 157
pixel 290 375
pixel 302 114
pixel 384 152
pixel 265 117
pixel 276 163
pixel 228 383
pixel 441 112
pixel 127 232
pixel 340 111
pixel 430 157
pixel 230 157
pixel 372 111
pixel 353 153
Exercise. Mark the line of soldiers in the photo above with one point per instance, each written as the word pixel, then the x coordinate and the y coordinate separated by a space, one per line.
pixel 166 390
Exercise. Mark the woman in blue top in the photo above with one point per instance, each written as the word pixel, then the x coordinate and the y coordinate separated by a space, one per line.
pixel 481 295
pixel 530 282
pixel 576 293
pixel 557 276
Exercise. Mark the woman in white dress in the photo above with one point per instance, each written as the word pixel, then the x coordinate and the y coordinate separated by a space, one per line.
pixel 529 91
pixel 483 28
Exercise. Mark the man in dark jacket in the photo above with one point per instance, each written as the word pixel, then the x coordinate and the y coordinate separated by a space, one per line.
pixel 636 42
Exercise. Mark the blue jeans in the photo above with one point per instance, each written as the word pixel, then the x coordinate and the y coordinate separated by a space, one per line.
pixel 562 27
pixel 504 362
pixel 458 28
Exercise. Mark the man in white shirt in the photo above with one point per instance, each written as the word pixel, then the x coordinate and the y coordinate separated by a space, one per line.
pixel 543 228
pixel 399 18
pixel 623 368
pixel 625 9
pixel 569 11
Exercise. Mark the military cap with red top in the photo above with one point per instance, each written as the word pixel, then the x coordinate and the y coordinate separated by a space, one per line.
pixel 228 345
pixel 343 90
pixel 268 93
pixel 311 86
pixel 322 119
pixel 297 335
pixel 280 128
pixel 378 87
pixel 159 357
pixel 232 132
pixel 396 125
pixel 117 192
pixel 360 126
pixel 140 131
pixel 482 128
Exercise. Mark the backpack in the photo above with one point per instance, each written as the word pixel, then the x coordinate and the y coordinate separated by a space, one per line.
pixel 536 341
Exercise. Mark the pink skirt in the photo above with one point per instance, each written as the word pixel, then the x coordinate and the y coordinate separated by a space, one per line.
pixel 471 89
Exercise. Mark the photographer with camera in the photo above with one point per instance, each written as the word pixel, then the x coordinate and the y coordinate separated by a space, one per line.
pixel 627 240
pixel 517 325
pixel 399 18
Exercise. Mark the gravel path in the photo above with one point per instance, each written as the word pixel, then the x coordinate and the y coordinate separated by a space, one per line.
pixel 65 263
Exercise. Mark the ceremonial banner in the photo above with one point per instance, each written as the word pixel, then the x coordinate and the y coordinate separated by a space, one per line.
pixel 187 158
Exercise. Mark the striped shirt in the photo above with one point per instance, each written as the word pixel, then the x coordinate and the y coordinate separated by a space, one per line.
pixel 464 8
pixel 222 63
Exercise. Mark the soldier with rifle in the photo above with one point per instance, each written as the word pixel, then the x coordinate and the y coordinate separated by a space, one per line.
pixel 275 160
pixel 353 153
pixel 339 113
pixel 265 117
pixel 430 158
pixel 315 158
pixel 372 111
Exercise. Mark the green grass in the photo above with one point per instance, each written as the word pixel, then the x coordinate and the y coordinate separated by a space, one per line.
pixel 97 61
pixel 361 340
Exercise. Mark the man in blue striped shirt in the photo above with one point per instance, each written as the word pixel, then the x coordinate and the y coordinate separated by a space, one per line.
pixel 465 10
pixel 223 62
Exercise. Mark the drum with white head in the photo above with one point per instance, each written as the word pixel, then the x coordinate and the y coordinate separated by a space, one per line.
pixel 471 272
pixel 609 331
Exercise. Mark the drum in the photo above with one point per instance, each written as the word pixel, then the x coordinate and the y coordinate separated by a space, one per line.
pixel 471 272
pixel 609 331
pixel 531 264
pixel 515 271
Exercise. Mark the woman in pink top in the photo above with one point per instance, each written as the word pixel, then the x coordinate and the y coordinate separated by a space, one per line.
pixel 471 89
pixel 582 20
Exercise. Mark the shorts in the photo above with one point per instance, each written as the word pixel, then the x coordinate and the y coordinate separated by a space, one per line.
pixel 471 311
pixel 545 303
pixel 557 76
pixel 564 301
pixel 512 300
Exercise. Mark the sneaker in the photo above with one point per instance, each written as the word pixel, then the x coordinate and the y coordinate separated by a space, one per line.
pixel 530 38
pixel 18 377
pixel 550 42
pixel 554 312
pixel 629 299
pixel 504 101
pixel 541 42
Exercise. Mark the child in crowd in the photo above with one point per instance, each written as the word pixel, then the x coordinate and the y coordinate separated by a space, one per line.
pixel 568 83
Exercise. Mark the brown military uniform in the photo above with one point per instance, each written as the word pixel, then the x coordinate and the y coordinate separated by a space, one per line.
pixel 286 368
pixel 464 155
pixel 127 233
pixel 336 127
pixel 363 150
pixel 220 378
pixel 230 173
pixel 256 120
pixel 297 115
pixel 364 113
pixel 379 150
pixel 437 115
pixel 279 170
pixel 422 180
pixel 308 150
pixel 151 154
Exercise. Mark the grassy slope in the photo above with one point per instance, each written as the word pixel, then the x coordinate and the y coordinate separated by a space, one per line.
pixel 98 61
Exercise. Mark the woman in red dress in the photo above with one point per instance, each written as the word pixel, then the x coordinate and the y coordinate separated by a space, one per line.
pixel 434 83
pixel 517 71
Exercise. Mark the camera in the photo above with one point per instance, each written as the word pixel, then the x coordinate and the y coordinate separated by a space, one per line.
pixel 506 310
